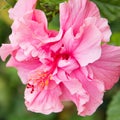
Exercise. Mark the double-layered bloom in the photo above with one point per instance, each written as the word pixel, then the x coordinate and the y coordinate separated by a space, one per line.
pixel 72 64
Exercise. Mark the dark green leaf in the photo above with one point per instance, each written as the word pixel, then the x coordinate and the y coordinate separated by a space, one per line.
pixel 115 26
pixel 113 112
pixel 109 9
pixel 4 31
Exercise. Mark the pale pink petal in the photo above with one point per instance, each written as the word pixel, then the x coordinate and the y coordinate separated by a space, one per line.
pixel 89 48
pixel 74 12
pixel 38 25
pixel 107 68
pixel 69 41
pixel 71 83
pixel 54 36
pixel 39 16
pixel 60 76
pixel 21 8
pixel 5 50
pixel 78 99
pixel 45 101
pixel 86 94
pixel 74 86
pixel 102 25
pixel 94 89
pixel 35 30
pixel 20 55
pixel 68 65
pixel 24 67
pixel 72 90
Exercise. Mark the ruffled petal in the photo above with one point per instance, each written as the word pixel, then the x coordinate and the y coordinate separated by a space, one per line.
pixel 87 94
pixel 22 6
pixel 78 97
pixel 94 89
pixel 73 13
pixel 69 41
pixel 107 68
pixel 89 48
pixel 68 65
pixel 102 25
pixel 45 101
pixel 5 50
pixel 24 67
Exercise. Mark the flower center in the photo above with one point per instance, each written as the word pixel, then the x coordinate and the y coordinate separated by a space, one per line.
pixel 38 80
pixel 65 56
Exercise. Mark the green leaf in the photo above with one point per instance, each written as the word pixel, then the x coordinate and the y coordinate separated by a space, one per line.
pixel 115 39
pixel 115 26
pixel 50 7
pixel 4 31
pixel 54 24
pixel 109 9
pixel 113 112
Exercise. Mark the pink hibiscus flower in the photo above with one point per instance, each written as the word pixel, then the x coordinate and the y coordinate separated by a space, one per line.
pixel 66 65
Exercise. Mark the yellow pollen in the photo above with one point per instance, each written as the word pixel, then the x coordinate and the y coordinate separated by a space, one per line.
pixel 39 80
pixel 46 82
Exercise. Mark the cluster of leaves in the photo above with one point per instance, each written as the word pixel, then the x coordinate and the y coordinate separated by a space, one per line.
pixel 50 7
pixel 109 9
pixel 12 91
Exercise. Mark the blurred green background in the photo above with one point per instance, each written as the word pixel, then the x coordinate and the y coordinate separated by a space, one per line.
pixel 12 90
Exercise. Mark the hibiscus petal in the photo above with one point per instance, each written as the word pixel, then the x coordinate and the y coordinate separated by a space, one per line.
pixel 80 98
pixel 45 101
pixel 5 50
pixel 39 16
pixel 102 25
pixel 89 48
pixel 75 11
pixel 68 65
pixel 94 89
pixel 24 67
pixel 107 68
pixel 69 41
pixel 87 94
pixel 22 6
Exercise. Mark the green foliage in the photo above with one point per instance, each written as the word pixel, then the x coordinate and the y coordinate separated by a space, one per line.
pixel 54 23
pixel 115 26
pixel 4 31
pixel 50 7
pixel 3 4
pixel 114 108
pixel 6 3
pixel 109 9
pixel 115 39
pixel 11 2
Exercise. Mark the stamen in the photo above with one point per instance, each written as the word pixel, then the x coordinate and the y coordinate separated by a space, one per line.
pixel 39 80
pixel 30 86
